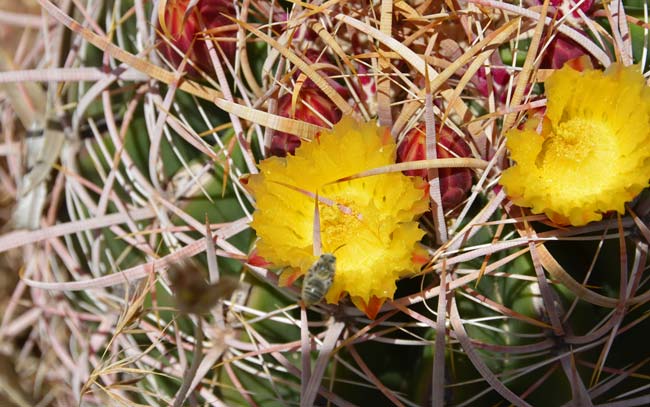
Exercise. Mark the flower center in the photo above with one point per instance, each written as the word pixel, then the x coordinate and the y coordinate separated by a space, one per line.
pixel 578 157
pixel 338 223
pixel 574 141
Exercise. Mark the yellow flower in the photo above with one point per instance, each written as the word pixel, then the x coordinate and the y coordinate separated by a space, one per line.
pixel 370 224
pixel 592 153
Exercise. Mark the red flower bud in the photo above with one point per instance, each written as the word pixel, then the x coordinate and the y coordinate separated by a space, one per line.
pixel 188 36
pixel 455 183
pixel 284 143
pixel 564 6
pixel 561 50
pixel 500 79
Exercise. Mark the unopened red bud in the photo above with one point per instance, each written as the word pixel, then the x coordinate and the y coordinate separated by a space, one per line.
pixel 500 78
pixel 187 35
pixel 561 50
pixel 455 183
pixel 310 101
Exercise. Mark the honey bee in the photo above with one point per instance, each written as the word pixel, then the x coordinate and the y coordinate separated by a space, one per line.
pixel 318 279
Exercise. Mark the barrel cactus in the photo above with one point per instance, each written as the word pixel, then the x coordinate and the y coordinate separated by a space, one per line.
pixel 460 189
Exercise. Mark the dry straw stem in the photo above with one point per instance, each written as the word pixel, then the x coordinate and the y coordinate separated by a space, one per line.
pixel 286 125
pixel 490 42
pixel 528 69
pixel 304 68
pixel 419 165
pixel 438 375
pixel 138 272
pixel 383 84
pixel 431 153
pixel 576 36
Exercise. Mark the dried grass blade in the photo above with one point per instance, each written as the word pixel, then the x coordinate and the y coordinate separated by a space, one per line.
pixel 138 272
pixel 331 42
pixel 191 373
pixel 622 375
pixel 305 68
pixel 548 296
pixel 503 310
pixel 213 266
pixel 617 318
pixel 637 401
pixel 155 135
pixel 305 352
pixel 405 53
pixel 431 153
pixel 576 36
pixel 19 238
pixel 470 73
pixel 279 123
pixel 420 165
pixel 558 273
pixel 383 80
pixel 238 385
pixel 79 74
pixel 477 361
pixel 524 75
pixel 207 363
pixel 27 99
pixel 373 378
pixel 579 393
pixel 620 31
pixel 331 336
pixel 493 39
pixel 643 227
pixel 294 371
pixel 438 375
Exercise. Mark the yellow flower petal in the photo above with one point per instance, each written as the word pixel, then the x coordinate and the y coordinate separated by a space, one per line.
pixel 372 227
pixel 594 152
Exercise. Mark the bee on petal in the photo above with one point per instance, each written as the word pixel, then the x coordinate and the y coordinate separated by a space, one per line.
pixel 318 279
